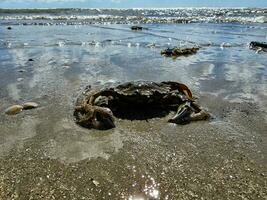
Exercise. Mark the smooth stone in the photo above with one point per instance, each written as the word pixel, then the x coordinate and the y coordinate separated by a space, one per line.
pixel 96 183
pixel 29 105
pixel 13 110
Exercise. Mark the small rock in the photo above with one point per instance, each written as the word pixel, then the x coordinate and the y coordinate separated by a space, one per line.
pixel 21 70
pixel 138 28
pixel 13 110
pixel 30 60
pixel 9 28
pixel 96 183
pixel 29 105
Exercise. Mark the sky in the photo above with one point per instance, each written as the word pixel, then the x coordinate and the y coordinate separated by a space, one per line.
pixel 129 3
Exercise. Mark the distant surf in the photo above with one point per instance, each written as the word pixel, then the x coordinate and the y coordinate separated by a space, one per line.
pixel 75 16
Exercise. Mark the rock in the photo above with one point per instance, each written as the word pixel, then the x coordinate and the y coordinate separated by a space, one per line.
pixel 138 28
pixel 29 105
pixel 135 28
pixel 9 28
pixel 21 70
pixel 13 110
pixel 96 183
pixel 30 60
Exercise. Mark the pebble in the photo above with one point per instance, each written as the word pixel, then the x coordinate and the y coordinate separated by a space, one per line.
pixel 30 60
pixel 96 183
pixel 29 105
pixel 13 110
pixel 9 28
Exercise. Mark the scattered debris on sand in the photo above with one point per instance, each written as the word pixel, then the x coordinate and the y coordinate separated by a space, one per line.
pixel 15 109
pixel 29 105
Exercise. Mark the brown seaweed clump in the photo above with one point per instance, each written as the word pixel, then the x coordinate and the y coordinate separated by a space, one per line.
pixel 175 52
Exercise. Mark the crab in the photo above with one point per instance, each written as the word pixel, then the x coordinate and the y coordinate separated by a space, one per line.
pixel 175 52
pixel 138 100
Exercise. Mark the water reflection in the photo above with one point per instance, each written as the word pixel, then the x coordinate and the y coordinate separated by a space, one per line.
pixel 149 189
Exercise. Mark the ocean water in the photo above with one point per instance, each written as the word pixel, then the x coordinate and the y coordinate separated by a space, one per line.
pixel 126 16
pixel 224 54
pixel 74 48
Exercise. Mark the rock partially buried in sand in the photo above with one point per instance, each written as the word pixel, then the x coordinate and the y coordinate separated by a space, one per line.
pixel 13 110
pixel 29 105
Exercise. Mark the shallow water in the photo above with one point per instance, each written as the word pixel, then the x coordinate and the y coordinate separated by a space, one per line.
pixel 45 149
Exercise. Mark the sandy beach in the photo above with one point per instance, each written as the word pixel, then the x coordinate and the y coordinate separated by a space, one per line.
pixel 44 154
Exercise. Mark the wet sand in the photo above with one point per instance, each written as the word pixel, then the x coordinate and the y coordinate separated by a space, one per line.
pixel 45 155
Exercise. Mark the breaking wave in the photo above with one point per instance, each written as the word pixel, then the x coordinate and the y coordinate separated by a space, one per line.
pixel 132 16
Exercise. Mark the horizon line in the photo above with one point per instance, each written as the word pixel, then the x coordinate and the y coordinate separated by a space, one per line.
pixel 188 7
